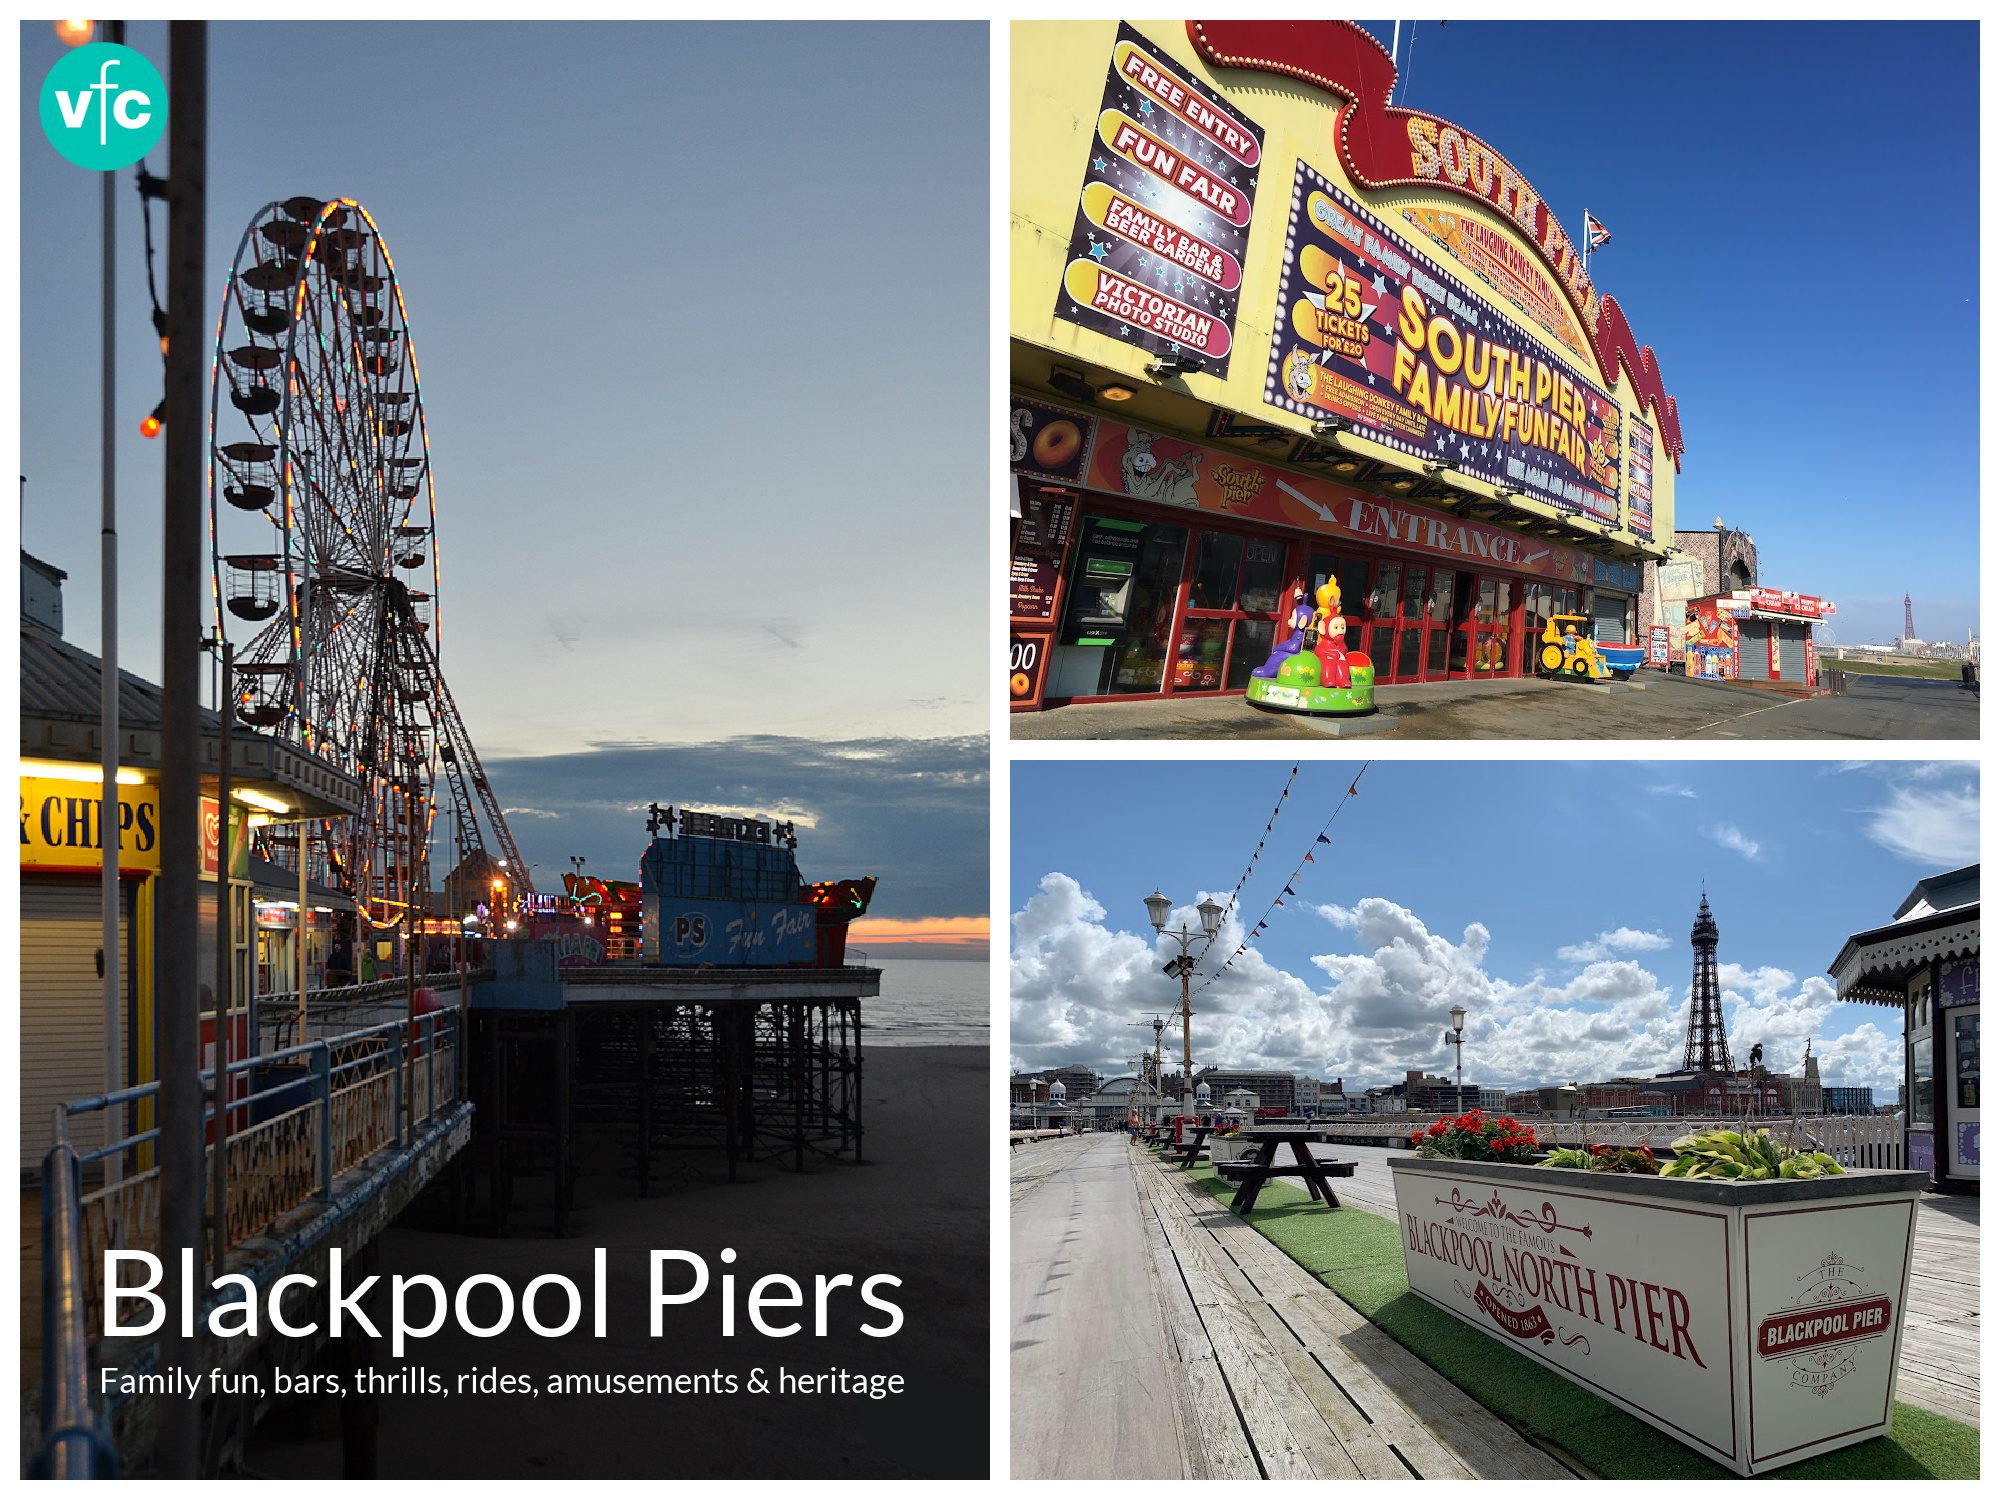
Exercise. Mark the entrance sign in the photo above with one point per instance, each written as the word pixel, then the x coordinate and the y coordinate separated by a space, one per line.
pixel 1757 1323
pixel 1421 363
pixel 1163 219
pixel 1147 466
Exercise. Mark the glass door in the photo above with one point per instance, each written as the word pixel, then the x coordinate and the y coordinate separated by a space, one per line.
pixel 1233 608
pixel 1410 623
pixel 1438 632
pixel 1384 597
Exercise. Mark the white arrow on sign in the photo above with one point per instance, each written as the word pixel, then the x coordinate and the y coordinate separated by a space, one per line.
pixel 1306 500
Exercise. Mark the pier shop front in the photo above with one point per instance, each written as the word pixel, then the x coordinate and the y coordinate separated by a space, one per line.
pixel 1264 335
pixel 1925 963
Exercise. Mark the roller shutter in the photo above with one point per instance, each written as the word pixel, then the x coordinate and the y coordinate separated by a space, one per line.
pixel 62 1000
pixel 1753 650
pixel 1791 652
pixel 1607 613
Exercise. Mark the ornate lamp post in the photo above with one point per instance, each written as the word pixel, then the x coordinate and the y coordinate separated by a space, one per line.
pixel 1158 908
pixel 1457 1037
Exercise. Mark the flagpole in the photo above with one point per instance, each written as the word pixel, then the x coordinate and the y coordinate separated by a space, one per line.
pixel 1586 245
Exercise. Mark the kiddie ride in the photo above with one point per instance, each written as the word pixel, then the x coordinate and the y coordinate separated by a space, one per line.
pixel 1310 672
pixel 1568 649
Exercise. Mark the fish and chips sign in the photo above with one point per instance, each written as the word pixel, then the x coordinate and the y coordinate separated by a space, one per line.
pixel 1758 1332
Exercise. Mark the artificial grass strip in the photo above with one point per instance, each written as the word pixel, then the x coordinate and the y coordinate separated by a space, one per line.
pixel 1359 1257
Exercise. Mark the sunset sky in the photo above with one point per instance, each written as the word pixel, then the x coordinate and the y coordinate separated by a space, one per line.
pixel 701 332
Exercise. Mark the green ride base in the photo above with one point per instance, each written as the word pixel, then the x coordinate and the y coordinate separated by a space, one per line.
pixel 1296 689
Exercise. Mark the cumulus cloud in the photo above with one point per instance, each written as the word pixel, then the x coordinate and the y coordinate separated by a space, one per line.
pixel 1931 825
pixel 1731 837
pixel 1618 940
pixel 1380 1003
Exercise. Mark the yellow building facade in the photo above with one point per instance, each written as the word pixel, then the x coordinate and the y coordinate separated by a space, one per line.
pixel 1265 335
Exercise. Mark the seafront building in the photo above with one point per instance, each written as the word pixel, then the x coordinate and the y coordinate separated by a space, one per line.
pixel 1924 962
pixel 1263 337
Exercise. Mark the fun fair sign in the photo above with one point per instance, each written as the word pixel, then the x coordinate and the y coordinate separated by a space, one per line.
pixel 1758 1332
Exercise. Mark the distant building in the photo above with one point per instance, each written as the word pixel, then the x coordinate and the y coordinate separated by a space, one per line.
pixel 1274 1090
pixel 1842 1099
pixel 41 595
pixel 1078 1081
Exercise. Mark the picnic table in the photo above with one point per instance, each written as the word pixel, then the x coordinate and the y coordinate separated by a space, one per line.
pixel 1250 1173
pixel 1196 1136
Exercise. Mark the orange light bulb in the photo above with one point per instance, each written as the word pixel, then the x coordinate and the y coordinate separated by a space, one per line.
pixel 150 428
pixel 75 33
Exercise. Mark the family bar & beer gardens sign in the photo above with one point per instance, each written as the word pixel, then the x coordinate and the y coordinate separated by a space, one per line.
pixel 1759 1323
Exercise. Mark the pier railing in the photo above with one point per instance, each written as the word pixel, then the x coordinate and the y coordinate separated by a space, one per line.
pixel 296 1120
pixel 1852 1140
pixel 333 1012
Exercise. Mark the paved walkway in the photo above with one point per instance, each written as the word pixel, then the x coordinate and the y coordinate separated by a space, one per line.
pixel 1155 1335
pixel 1652 706
pixel 1940 1369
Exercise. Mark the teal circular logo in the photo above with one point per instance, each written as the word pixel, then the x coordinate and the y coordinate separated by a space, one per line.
pixel 104 106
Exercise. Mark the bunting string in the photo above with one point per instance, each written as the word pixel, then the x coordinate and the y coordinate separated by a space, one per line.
pixel 1229 906
pixel 1298 873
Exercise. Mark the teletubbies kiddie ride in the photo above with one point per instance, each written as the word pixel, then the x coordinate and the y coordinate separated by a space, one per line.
pixel 1310 672
pixel 1567 650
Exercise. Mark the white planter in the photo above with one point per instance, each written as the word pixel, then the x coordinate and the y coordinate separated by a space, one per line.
pixel 1760 1323
pixel 1234 1148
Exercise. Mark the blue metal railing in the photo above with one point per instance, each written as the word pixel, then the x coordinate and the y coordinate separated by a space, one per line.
pixel 311 1077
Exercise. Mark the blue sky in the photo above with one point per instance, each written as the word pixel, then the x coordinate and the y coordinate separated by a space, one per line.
pixel 1553 898
pixel 702 313
pixel 1790 204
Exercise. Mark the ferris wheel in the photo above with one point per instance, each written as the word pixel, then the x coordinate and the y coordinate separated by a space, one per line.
pixel 323 535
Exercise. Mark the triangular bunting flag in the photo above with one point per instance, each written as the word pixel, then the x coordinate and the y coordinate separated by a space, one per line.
pixel 1324 839
pixel 1309 857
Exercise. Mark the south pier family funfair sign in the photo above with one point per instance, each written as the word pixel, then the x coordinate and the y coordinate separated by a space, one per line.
pixel 1414 359
pixel 1163 220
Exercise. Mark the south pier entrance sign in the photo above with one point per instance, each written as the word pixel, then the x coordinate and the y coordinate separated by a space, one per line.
pixel 1758 1323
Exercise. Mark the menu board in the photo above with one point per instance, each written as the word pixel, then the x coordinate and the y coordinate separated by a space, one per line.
pixel 1038 552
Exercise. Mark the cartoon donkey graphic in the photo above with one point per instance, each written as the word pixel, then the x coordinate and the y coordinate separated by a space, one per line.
pixel 1171 481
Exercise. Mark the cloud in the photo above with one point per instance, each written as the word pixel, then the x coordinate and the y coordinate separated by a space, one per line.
pixel 1082 992
pixel 911 812
pixel 1618 940
pixel 1934 826
pixel 1670 789
pixel 1731 837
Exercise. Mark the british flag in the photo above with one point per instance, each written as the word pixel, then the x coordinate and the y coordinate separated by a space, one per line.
pixel 1599 236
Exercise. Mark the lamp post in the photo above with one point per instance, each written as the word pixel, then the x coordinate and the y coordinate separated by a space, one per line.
pixel 1158 908
pixel 1458 1046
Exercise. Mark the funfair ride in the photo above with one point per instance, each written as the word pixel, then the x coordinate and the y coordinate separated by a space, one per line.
pixel 323 534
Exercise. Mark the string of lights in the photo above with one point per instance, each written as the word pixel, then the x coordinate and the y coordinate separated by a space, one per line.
pixel 1256 854
pixel 1298 870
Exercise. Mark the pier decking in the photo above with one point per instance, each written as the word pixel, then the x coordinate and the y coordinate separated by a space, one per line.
pixel 1157 1335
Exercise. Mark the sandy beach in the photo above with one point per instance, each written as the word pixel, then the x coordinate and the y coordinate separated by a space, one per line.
pixel 916 1209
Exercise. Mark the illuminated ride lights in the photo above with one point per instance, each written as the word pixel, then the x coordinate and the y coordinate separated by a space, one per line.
pixel 323 547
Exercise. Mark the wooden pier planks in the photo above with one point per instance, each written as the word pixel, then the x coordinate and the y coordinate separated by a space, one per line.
pixel 1315 1390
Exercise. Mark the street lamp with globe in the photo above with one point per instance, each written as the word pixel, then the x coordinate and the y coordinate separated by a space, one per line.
pixel 1456 1036
pixel 1158 909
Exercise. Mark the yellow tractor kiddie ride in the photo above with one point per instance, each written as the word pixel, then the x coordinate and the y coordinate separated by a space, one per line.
pixel 1568 650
